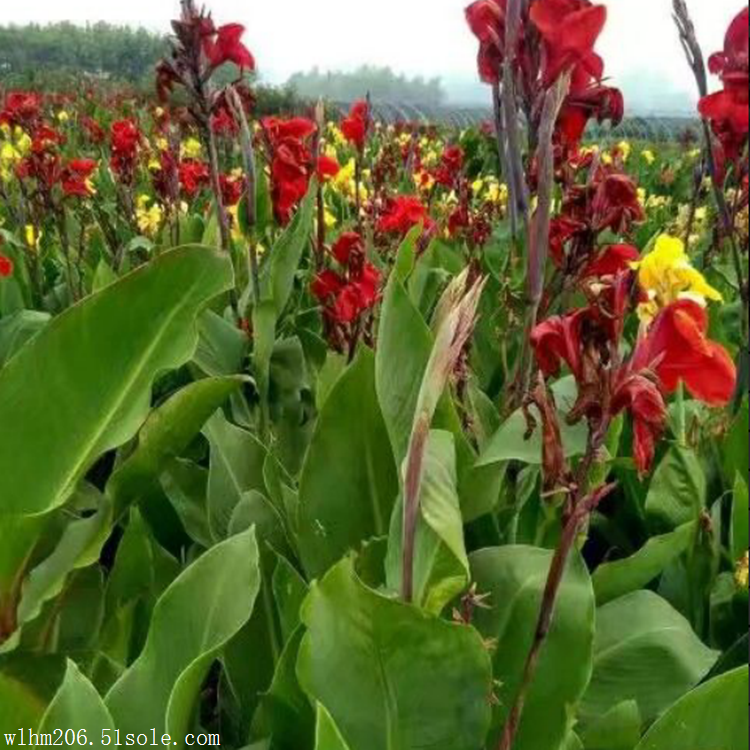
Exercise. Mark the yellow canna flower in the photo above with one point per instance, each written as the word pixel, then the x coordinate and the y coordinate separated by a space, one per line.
pixel 667 275
pixel 648 156
pixel 330 220
pixel 477 186
pixel 625 149
pixel 63 117
pixel 742 574
pixel 191 149
pixel 149 220
pixel 32 237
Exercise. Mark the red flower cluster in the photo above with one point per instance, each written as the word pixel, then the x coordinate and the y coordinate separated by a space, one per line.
pixel 194 176
pixel 292 163
pixel 231 189
pixel 6 267
pixel 126 142
pixel 21 108
pixel 225 45
pixel 674 349
pixel 402 214
pixel 328 168
pixel 570 30
pixel 587 99
pixel 451 164
pixel 729 109
pixel 347 295
pixel 486 19
pixel 356 126
pixel 76 176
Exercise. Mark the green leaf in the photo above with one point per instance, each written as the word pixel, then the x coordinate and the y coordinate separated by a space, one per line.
pixel 104 276
pixel 441 567
pixel 27 685
pixel 186 485
pixel 407 254
pixel 106 352
pixel 222 346
pixel 79 547
pixel 349 482
pixel 289 591
pixel 735 453
pixel 78 706
pixel 390 675
pixel 278 275
pixel 712 717
pixel 285 712
pixel 677 494
pixel 192 622
pixel 327 735
pixel 237 460
pixel 510 444
pixel 615 579
pixel 515 579
pixel 619 729
pixel 644 651
pixel 740 519
pixel 167 433
pixel 17 329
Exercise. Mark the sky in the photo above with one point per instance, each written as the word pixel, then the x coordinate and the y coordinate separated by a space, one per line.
pixel 417 37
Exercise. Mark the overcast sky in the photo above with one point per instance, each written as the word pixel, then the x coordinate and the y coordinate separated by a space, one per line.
pixel 426 37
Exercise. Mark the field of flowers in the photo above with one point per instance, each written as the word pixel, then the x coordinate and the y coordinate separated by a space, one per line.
pixel 322 433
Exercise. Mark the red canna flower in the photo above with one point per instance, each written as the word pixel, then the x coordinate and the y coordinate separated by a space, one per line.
pixel 451 164
pixel 6 267
pixel 231 189
pixel 357 124
pixel 194 175
pixel 358 296
pixel 616 205
pixel 292 162
pixel 729 110
pixel 75 178
pixel 642 398
pixel 402 214
pixel 328 168
pixel 94 131
pixel 558 340
pixel 612 261
pixel 486 19
pixel 562 230
pixel 226 46
pixel 327 285
pixel 587 99
pixel 570 30
pixel 21 108
pixel 126 141
pixel 348 247
pixel 677 349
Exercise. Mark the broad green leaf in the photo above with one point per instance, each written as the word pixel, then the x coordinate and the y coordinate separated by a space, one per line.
pixel 167 433
pixel 349 482
pixel 677 494
pixel 237 460
pixel 285 712
pixel 18 329
pixel 619 729
pixel 79 547
pixel 404 337
pixel 615 579
pixel 192 622
pixel 515 579
pixel 740 519
pixel 104 276
pixel 27 685
pixel 441 567
pixel 283 263
pixel 712 717
pixel 222 346
pixel 78 706
pixel 407 254
pixel 644 651
pixel 327 735
pixel 289 591
pixel 510 444
pixel 186 485
pixel 106 352
pixel 390 675
pixel 734 451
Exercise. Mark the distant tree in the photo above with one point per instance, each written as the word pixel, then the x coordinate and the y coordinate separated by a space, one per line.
pixel 381 83
pixel 100 50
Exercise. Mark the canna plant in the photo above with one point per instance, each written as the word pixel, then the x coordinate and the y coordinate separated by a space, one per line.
pixel 347 437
